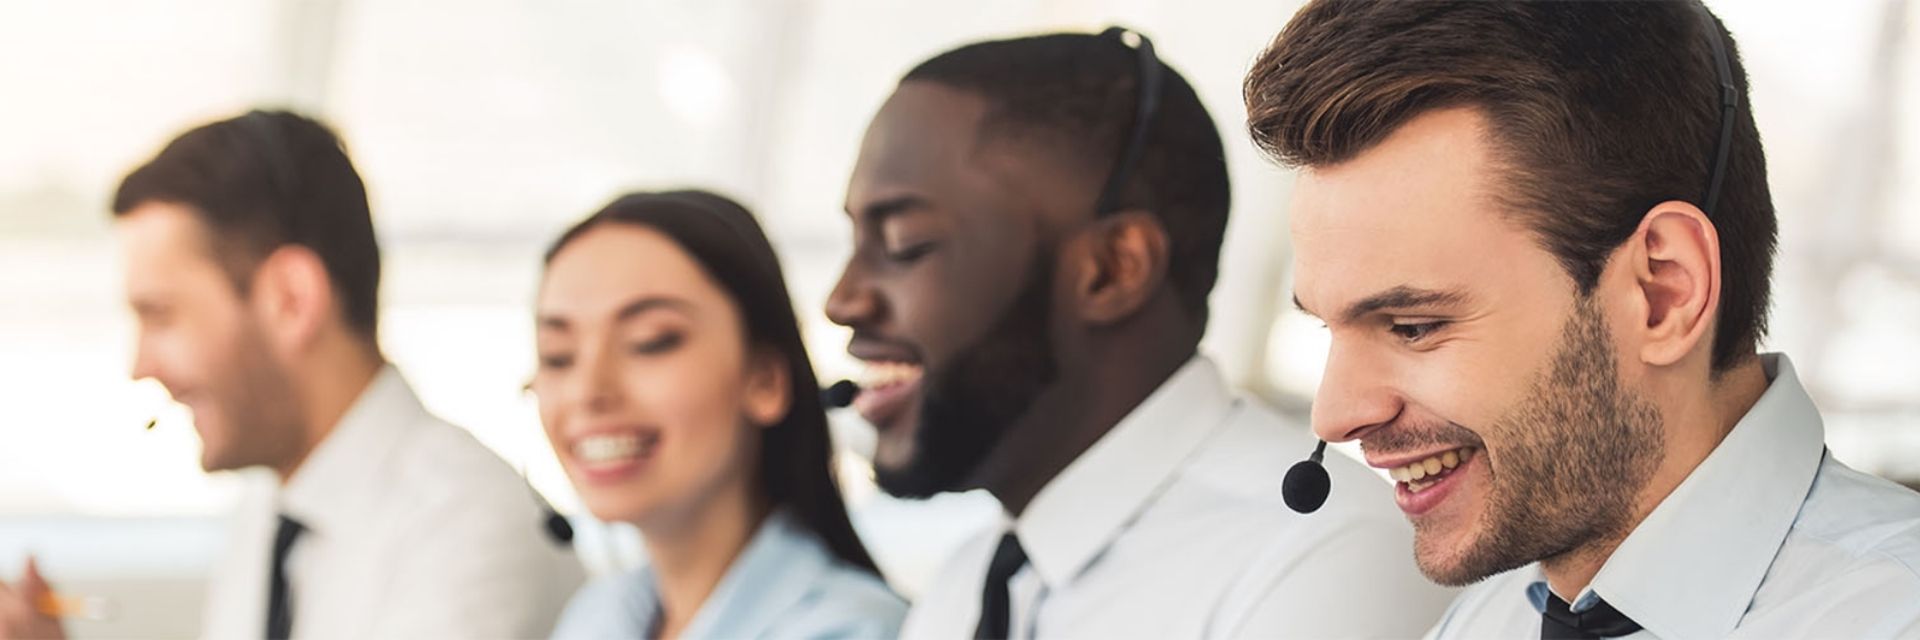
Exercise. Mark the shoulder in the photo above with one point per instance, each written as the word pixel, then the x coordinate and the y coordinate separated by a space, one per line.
pixel 1495 607
pixel 612 606
pixel 847 602
pixel 1866 520
pixel 442 477
pixel 1857 538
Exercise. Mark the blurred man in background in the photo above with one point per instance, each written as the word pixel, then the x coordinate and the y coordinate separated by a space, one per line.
pixel 252 268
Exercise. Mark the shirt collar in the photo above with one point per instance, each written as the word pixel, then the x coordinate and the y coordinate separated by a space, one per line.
pixel 330 491
pixel 1084 508
pixel 1702 542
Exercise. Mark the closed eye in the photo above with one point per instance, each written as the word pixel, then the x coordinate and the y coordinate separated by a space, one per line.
pixel 657 346
pixel 910 254
pixel 1413 332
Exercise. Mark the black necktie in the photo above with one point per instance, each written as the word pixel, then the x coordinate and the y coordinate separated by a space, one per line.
pixel 994 605
pixel 1559 622
pixel 279 608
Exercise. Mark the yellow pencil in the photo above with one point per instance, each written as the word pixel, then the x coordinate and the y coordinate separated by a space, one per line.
pixel 54 605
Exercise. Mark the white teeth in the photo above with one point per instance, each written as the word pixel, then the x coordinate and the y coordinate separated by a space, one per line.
pixel 603 449
pixel 885 374
pixel 1413 473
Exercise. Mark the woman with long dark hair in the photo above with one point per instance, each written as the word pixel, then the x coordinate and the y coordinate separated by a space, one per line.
pixel 676 391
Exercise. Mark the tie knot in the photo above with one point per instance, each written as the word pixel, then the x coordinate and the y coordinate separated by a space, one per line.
pixel 288 531
pixel 1558 620
pixel 1007 559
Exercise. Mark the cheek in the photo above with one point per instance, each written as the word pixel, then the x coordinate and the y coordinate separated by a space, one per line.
pixel 698 404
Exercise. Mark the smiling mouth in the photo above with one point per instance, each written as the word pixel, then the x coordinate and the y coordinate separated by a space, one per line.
pixel 1417 476
pixel 886 390
pixel 614 449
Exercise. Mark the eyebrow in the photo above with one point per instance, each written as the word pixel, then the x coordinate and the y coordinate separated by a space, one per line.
pixel 878 212
pixel 1396 298
pixel 626 312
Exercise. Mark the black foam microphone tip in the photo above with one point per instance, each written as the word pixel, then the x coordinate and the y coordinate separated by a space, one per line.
pixel 558 528
pixel 1306 486
pixel 840 394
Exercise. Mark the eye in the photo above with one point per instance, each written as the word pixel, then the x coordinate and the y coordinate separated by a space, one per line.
pixel 663 344
pixel 911 254
pixel 1415 331
pixel 556 361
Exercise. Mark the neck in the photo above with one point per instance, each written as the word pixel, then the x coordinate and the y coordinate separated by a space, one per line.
pixel 691 551
pixel 1696 422
pixel 1118 372
pixel 335 377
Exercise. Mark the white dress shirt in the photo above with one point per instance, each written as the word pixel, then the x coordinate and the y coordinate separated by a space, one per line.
pixel 784 584
pixel 1769 537
pixel 413 530
pixel 1172 526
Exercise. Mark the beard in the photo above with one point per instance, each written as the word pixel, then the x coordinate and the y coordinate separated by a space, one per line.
pixel 971 402
pixel 261 411
pixel 1580 450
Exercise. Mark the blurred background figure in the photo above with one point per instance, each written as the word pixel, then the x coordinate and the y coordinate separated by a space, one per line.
pixel 487 127
pixel 253 271
pixel 677 394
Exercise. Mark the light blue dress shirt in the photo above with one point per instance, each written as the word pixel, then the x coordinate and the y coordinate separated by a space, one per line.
pixel 785 584
pixel 1769 537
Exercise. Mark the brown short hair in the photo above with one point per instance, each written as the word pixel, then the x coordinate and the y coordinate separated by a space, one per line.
pixel 1598 112
pixel 267 179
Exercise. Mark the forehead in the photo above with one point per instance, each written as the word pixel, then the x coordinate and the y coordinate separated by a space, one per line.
pixel 164 242
pixel 614 264
pixel 1418 209
pixel 925 145
pixel 926 132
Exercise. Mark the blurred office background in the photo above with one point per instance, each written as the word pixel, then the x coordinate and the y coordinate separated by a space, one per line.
pixel 484 127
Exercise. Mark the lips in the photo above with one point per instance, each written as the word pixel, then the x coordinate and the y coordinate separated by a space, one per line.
pixel 890 384
pixel 1423 482
pixel 1423 473
pixel 887 391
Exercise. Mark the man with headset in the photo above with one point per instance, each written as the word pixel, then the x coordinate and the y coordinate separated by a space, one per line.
pixel 1037 224
pixel 1541 236
pixel 253 272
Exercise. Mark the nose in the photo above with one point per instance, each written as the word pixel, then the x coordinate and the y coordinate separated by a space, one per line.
pixel 853 302
pixel 145 363
pixel 1356 394
pixel 595 389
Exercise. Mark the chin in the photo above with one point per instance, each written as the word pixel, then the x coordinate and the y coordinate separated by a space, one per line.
pixel 1441 556
pixel 617 509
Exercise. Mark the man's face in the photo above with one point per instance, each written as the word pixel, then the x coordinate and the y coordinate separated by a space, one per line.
pixel 1462 357
pixel 201 339
pixel 949 288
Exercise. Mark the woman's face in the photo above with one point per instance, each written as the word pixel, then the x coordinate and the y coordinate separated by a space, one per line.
pixel 647 387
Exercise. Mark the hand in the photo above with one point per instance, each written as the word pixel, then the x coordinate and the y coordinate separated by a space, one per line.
pixel 21 614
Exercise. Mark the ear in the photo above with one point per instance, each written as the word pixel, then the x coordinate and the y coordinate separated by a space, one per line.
pixel 292 296
pixel 1675 261
pixel 1125 266
pixel 769 388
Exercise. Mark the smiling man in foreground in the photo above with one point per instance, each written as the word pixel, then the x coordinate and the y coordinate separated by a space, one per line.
pixel 1540 234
